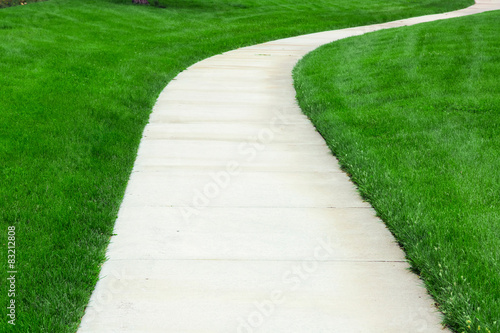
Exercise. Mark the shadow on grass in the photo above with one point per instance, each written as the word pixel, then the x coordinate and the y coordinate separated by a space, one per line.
pixel 11 3
pixel 214 5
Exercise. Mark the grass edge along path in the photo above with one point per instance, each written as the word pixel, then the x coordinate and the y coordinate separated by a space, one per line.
pixel 78 81
pixel 416 126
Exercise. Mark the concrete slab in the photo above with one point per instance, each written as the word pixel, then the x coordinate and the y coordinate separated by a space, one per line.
pixel 226 97
pixel 164 112
pixel 251 133
pixel 260 296
pixel 157 155
pixel 195 188
pixel 237 218
pixel 252 234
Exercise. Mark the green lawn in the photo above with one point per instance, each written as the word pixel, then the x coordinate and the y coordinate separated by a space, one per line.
pixel 417 125
pixel 78 80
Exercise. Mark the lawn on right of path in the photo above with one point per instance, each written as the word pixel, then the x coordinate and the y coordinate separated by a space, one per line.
pixel 413 115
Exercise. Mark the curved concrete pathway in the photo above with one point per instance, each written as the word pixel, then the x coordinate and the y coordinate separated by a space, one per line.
pixel 238 219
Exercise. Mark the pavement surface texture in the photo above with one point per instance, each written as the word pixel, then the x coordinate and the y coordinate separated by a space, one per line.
pixel 238 219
